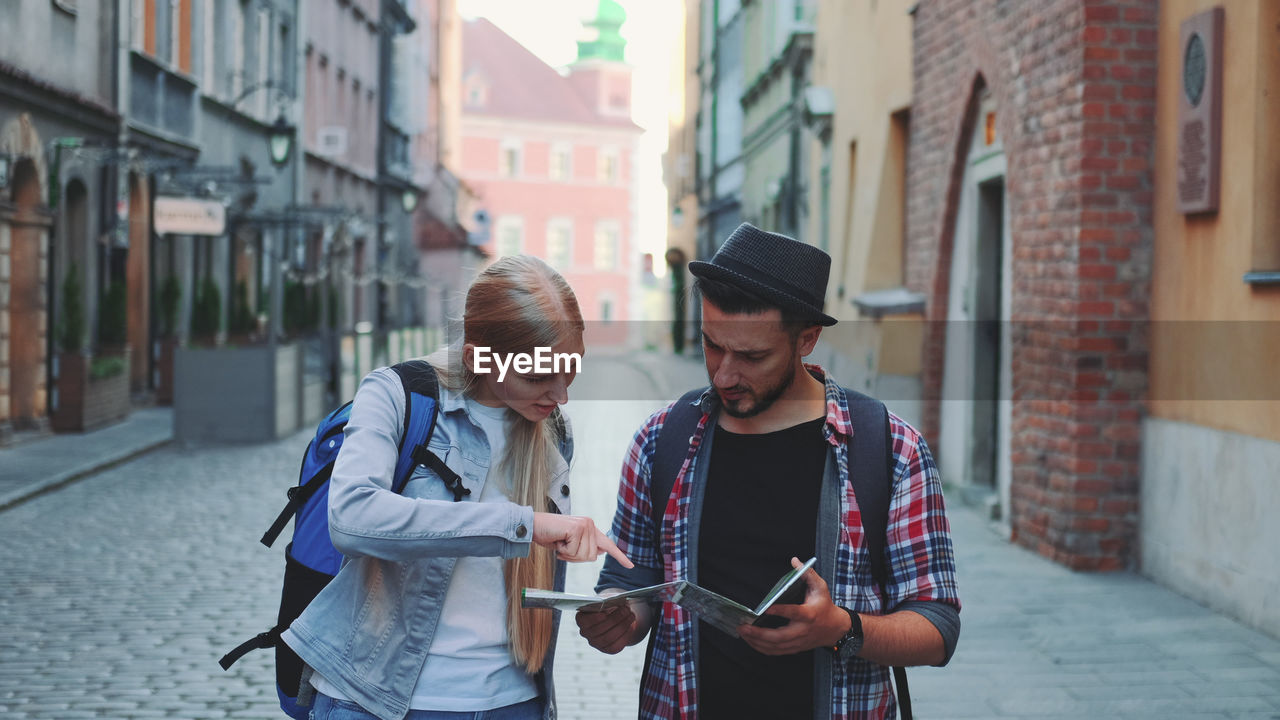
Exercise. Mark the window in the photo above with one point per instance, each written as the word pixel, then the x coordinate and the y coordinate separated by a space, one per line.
pixel 237 47
pixel 607 166
pixel 283 71
pixel 561 163
pixel 510 236
pixel 560 243
pixel 175 32
pixel 210 35
pixel 606 249
pixel 264 60
pixel 138 16
pixel 509 161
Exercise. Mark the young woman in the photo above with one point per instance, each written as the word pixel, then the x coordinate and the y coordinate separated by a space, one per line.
pixel 424 619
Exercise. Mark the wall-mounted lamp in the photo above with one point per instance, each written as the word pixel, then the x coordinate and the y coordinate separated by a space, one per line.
pixel 409 200
pixel 281 141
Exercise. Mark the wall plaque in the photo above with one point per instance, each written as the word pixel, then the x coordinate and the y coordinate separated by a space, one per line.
pixel 1200 112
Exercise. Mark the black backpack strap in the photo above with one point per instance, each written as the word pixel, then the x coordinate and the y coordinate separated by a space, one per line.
pixel 298 496
pixel 419 378
pixel 669 454
pixel 870 473
pixel 261 641
pixel 871 470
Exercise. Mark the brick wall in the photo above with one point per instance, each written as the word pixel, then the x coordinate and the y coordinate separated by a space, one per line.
pixel 1074 83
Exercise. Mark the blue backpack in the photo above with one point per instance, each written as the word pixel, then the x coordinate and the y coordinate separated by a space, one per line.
pixel 311 561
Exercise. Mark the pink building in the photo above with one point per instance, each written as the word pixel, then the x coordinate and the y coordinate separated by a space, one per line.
pixel 551 158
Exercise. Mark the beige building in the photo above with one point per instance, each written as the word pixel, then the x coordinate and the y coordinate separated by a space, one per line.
pixel 777 53
pixel 680 176
pixel 858 114
pixel 1211 438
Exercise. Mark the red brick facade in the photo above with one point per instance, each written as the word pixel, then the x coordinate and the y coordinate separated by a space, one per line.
pixel 1074 86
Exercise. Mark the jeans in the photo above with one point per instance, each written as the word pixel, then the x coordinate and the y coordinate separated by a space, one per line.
pixel 326 708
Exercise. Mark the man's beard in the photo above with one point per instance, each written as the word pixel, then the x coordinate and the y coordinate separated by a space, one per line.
pixel 764 400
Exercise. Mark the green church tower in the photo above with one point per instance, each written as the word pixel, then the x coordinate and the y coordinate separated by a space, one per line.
pixel 607 42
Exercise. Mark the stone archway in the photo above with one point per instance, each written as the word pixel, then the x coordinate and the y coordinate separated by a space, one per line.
pixel 25 222
pixel 29 225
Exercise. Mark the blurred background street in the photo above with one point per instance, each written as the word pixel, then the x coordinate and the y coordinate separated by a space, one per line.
pixel 1053 233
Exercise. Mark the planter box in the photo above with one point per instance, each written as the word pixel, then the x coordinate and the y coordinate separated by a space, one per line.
pixel 235 394
pixel 167 349
pixel 84 403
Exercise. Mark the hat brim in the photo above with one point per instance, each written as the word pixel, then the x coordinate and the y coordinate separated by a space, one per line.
pixel 784 300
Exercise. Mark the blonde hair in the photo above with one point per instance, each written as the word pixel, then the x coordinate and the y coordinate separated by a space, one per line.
pixel 514 305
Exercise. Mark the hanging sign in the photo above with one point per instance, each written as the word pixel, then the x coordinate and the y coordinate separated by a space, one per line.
pixel 189 216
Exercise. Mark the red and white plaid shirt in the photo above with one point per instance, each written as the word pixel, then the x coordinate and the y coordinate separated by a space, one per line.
pixel 921 563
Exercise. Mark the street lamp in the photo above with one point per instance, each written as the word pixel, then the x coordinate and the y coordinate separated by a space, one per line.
pixel 409 200
pixel 281 140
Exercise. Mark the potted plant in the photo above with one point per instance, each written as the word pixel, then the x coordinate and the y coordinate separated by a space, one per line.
pixel 93 389
pixel 168 301
pixel 206 313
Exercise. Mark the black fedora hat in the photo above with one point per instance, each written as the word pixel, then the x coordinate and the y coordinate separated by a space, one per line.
pixel 775 268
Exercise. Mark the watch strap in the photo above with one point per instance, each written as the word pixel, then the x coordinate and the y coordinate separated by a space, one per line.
pixel 852 636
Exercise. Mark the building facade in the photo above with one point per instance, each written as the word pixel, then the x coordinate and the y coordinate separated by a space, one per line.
pixel 59 120
pixel 679 167
pixel 445 235
pixel 858 126
pixel 777 54
pixel 343 65
pixel 719 168
pixel 551 159
pixel 1028 232
pixel 240 191
pixel 1211 431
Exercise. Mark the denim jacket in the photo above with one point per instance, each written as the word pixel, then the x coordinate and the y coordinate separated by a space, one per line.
pixel 369 630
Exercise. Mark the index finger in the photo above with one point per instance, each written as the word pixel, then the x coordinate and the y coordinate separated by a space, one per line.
pixel 603 541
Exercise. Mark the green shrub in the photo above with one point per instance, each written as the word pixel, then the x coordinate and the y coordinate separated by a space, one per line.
pixel 206 312
pixel 71 322
pixel 169 300
pixel 335 306
pixel 295 308
pixel 243 321
pixel 113 320
pixel 105 366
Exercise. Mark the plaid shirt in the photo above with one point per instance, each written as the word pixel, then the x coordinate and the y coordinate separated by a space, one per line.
pixel 921 563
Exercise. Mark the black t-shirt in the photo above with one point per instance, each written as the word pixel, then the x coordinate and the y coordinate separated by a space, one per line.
pixel 760 510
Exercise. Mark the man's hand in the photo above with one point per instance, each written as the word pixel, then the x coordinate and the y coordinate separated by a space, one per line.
pixel 574 538
pixel 616 627
pixel 817 622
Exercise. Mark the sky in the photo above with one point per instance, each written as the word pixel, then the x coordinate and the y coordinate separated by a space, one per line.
pixel 550 29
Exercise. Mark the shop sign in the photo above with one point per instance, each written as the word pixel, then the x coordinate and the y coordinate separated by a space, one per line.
pixel 189 216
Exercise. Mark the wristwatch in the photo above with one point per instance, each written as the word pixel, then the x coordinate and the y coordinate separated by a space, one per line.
pixel 851 642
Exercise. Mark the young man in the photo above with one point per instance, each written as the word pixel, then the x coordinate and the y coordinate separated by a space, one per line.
pixel 766 484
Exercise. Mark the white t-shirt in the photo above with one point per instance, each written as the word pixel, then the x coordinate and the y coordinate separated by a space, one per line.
pixel 469 665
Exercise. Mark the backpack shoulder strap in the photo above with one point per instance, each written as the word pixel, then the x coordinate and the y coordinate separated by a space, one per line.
pixel 421 406
pixel 870 471
pixel 668 456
